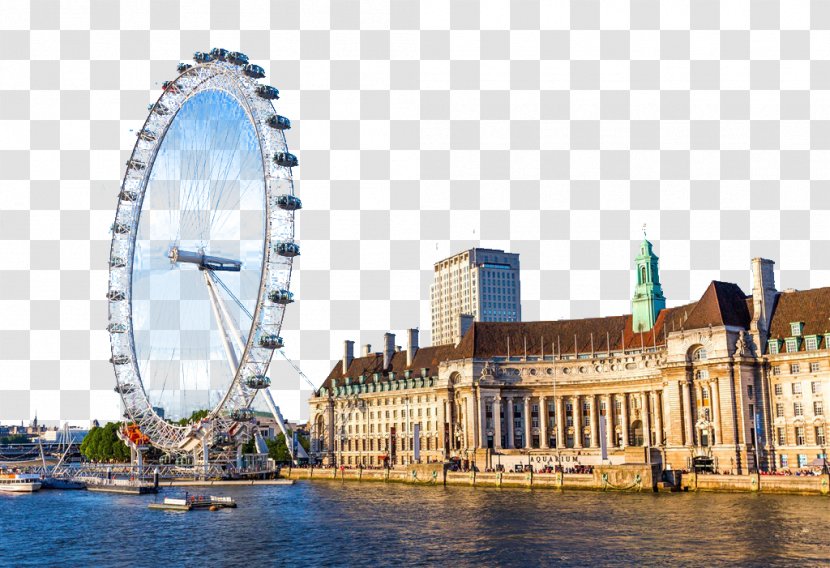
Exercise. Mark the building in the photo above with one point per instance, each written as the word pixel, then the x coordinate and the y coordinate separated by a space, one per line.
pixel 482 284
pixel 714 384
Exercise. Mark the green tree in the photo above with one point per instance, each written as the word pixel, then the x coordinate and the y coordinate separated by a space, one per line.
pixel 103 444
pixel 195 416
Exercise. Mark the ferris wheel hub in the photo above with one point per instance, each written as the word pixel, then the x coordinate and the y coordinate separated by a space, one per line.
pixel 203 261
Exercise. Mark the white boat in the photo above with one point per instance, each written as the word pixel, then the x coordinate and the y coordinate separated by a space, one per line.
pixel 19 482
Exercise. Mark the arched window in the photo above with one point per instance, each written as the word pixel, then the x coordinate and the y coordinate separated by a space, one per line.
pixel 642 275
pixel 699 354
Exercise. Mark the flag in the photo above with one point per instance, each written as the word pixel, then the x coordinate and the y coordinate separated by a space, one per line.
pixel 416 443
pixel 603 438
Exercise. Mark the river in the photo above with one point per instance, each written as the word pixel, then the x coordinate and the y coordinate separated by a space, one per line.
pixel 349 524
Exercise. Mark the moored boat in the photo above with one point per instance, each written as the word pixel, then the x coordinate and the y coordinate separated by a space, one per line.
pixel 19 482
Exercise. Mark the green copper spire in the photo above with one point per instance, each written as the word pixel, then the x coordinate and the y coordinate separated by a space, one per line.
pixel 648 294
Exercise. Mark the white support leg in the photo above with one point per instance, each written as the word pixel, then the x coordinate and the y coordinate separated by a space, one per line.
pixel 233 362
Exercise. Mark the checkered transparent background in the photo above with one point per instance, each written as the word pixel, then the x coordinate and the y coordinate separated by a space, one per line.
pixel 551 129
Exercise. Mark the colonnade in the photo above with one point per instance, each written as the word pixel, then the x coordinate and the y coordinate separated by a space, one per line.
pixel 551 419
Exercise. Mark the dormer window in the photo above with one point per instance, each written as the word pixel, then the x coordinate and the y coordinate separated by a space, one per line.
pixel 792 344
pixel 796 328
pixel 811 342
pixel 774 346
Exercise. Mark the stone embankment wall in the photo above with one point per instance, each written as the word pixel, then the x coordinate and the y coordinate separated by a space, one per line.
pixel 795 485
pixel 611 478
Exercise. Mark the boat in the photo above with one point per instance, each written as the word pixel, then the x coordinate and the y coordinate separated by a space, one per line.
pixel 191 502
pixel 19 482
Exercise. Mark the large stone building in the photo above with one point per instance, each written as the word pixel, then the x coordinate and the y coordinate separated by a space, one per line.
pixel 481 284
pixel 713 384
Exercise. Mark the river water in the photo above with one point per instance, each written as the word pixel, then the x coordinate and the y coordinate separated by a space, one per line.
pixel 348 524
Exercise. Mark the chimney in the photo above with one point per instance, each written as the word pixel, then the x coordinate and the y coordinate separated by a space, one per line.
pixel 463 324
pixel 367 349
pixel 348 355
pixel 411 345
pixel 388 349
pixel 398 348
pixel 763 298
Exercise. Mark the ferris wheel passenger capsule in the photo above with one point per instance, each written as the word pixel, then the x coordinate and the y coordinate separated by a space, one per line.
pixel 242 415
pixel 271 342
pixel 268 92
pixel 279 122
pixel 219 53
pixel 286 160
pixel 289 202
pixel 254 71
pixel 200 57
pixel 281 297
pixel 170 87
pixel 146 135
pixel 120 360
pixel 238 58
pixel 124 389
pixel 182 67
pixel 120 228
pixel 258 382
pixel 287 248
pixel 116 296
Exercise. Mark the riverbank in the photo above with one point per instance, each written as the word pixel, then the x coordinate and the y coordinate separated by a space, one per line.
pixel 637 478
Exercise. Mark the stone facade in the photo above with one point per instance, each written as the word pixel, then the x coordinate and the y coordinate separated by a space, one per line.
pixel 698 388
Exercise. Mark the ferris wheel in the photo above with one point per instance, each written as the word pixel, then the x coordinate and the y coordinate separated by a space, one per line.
pixel 202 251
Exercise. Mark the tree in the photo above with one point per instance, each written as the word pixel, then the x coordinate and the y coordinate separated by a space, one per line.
pixel 195 416
pixel 102 444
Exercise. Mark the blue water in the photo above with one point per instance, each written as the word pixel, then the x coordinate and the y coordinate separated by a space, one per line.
pixel 336 524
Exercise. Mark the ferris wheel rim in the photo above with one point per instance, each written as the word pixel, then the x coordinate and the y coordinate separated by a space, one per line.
pixel 209 76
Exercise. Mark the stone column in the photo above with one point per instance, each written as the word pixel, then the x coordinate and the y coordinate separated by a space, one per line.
pixel 658 419
pixel 609 421
pixel 688 435
pixel 560 422
pixel 624 418
pixel 543 422
pixel 497 422
pixel 577 414
pixel 644 401
pixel 482 421
pixel 594 424
pixel 527 422
pixel 508 418
pixel 715 397
pixel 442 426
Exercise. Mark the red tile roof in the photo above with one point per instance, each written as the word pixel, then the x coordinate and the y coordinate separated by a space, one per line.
pixel 812 307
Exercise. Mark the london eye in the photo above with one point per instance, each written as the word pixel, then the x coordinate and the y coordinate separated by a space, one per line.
pixel 201 255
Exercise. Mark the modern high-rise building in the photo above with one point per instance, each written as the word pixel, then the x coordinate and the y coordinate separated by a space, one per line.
pixel 482 284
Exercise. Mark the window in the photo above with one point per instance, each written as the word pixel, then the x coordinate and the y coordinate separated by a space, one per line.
pixel 774 346
pixel 818 408
pixel 776 370
pixel 779 410
pixel 795 327
pixel 792 344
pixel 749 391
pixel 802 460
pixel 798 409
pixel 699 355
pixel 816 387
pixel 796 388
pixel 784 460
pixel 779 389
pixel 702 374
pixel 814 367
pixel 820 439
pixel 795 368
pixel 782 436
pixel 811 343
pixel 799 435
